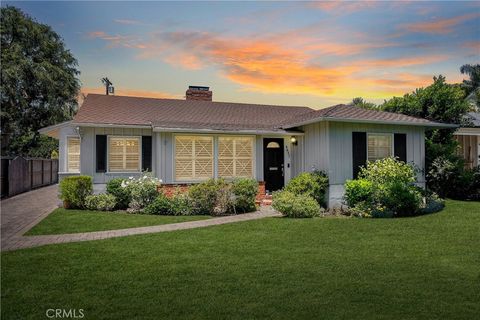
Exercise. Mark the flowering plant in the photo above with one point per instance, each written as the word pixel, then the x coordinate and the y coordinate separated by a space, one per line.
pixel 143 190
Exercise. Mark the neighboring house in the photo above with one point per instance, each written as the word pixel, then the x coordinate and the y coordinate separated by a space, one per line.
pixel 187 141
pixel 469 140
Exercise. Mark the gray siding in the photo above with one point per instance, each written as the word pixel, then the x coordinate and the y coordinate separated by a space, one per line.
pixel 316 146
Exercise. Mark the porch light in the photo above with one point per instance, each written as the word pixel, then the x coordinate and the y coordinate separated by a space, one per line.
pixel 294 141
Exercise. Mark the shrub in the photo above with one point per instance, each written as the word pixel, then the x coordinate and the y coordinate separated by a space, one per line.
pixel 433 203
pixel 203 197
pixel 449 178
pixel 160 206
pixel 245 192
pixel 181 205
pixel 295 205
pixel 102 202
pixel 313 184
pixel 142 190
pixel 385 188
pixel 356 191
pixel 74 190
pixel 114 187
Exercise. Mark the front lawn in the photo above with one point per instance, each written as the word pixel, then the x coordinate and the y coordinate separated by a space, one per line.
pixel 62 221
pixel 277 268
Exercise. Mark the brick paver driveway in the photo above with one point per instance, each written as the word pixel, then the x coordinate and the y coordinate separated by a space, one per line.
pixel 22 212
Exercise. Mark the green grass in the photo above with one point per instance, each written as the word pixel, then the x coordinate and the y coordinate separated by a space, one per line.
pixel 277 268
pixel 62 221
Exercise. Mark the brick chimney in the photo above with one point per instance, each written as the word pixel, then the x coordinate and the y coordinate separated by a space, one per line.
pixel 198 93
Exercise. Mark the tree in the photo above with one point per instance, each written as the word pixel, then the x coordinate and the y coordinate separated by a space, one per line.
pixel 472 85
pixel 360 102
pixel 440 102
pixel 39 83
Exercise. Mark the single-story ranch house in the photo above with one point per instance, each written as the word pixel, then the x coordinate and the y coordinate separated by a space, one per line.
pixel 191 140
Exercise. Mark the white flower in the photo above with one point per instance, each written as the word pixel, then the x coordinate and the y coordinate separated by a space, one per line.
pixel 131 178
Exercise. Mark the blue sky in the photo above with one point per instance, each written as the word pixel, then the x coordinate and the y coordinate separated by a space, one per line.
pixel 292 53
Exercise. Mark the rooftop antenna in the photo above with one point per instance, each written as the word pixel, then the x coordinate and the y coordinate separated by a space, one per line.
pixel 108 86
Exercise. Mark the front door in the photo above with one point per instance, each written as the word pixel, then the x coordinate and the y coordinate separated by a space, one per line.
pixel 273 163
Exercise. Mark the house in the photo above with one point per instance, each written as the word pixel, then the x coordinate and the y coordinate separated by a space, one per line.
pixel 468 138
pixel 187 141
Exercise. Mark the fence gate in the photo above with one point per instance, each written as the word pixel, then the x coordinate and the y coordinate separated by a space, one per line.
pixel 18 176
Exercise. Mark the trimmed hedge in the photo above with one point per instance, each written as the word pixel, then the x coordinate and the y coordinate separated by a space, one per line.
pixel 313 184
pixel 74 190
pixel 295 205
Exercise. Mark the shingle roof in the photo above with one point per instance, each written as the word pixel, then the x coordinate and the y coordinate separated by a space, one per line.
pixel 474 118
pixel 192 114
pixel 353 113
pixel 171 113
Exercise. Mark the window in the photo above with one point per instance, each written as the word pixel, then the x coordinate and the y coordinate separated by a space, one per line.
pixel 193 157
pixel 123 154
pixel 73 154
pixel 235 157
pixel 379 146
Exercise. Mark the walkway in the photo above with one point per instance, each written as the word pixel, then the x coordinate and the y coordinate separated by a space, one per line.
pixel 21 242
pixel 20 213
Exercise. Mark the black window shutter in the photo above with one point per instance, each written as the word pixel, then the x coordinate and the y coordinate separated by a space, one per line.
pixel 400 146
pixel 146 153
pixel 101 153
pixel 359 151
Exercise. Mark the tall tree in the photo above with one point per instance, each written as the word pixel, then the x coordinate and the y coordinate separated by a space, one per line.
pixel 441 102
pixel 39 83
pixel 362 103
pixel 472 85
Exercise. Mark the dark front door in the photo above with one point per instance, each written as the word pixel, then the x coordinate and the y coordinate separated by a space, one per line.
pixel 273 163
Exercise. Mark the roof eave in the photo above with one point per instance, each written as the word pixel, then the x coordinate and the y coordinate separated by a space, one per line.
pixel 228 131
pixel 436 125
pixel 112 125
pixel 53 130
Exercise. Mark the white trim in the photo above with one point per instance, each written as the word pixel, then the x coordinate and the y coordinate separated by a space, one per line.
pixel 392 144
pixel 108 153
pixel 228 132
pixel 467 132
pixel 67 137
pixel 110 125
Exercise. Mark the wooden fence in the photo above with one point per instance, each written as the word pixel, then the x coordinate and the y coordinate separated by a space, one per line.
pixel 22 174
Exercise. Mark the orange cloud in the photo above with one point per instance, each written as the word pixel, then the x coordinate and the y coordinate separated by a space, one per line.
pixel 439 26
pixel 287 64
pixel 342 6
pixel 475 45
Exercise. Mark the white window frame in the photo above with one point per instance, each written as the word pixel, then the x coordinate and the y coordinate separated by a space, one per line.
pixel 139 158
pixel 392 144
pixel 217 154
pixel 174 163
pixel 79 155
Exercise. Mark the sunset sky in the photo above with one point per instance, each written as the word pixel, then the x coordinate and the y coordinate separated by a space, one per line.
pixel 291 53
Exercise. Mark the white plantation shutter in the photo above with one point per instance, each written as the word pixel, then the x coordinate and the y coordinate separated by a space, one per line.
pixel 124 154
pixel 379 146
pixel 193 157
pixel 235 157
pixel 73 154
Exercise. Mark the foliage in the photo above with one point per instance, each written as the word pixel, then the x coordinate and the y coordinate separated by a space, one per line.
pixel 122 194
pixel 472 85
pixel 433 203
pixel 385 188
pixel 360 102
pixel 160 206
pixel 54 154
pixel 142 190
pixel 203 196
pixel 180 205
pixel 39 83
pixel 450 179
pixel 101 202
pixel 74 190
pixel 295 205
pixel 313 184
pixel 245 192
pixel 359 190
pixel 441 102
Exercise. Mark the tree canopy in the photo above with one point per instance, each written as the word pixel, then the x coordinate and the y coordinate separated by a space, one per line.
pixel 39 83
